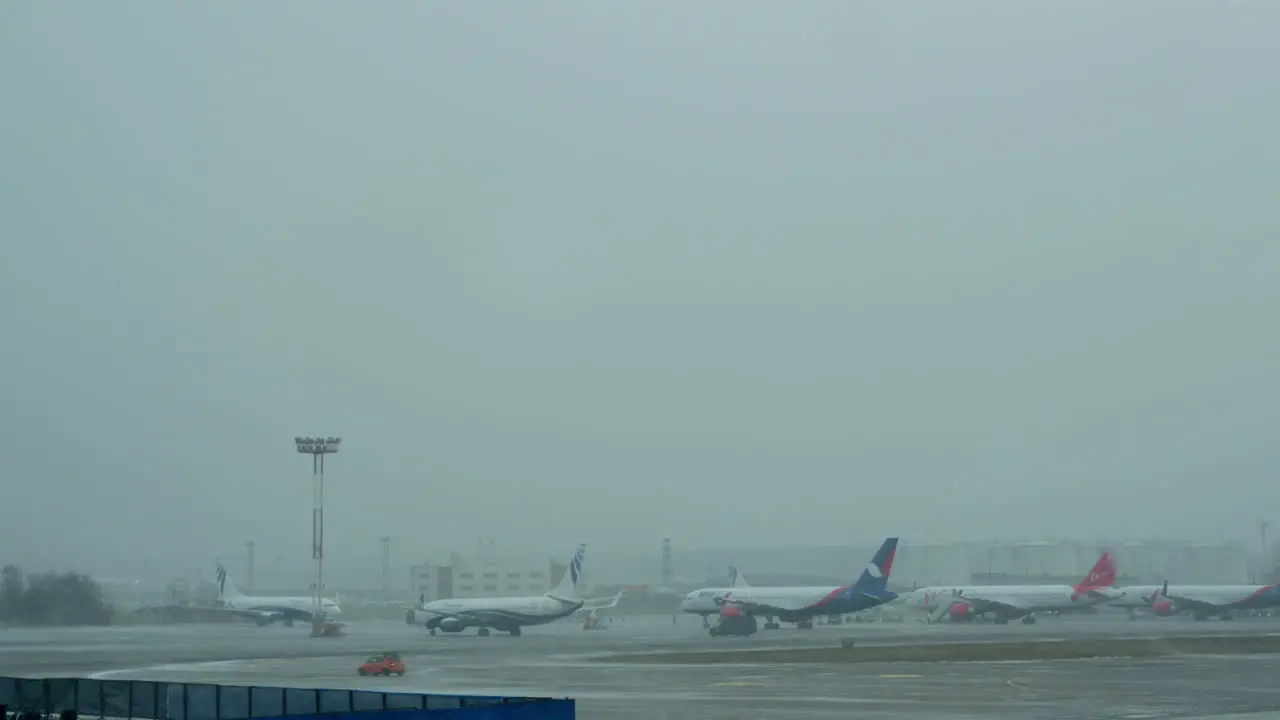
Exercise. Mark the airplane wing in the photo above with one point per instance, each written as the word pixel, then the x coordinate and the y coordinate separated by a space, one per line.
pixel 267 614
pixel 1183 602
pixel 1007 605
pixel 463 616
pixel 781 606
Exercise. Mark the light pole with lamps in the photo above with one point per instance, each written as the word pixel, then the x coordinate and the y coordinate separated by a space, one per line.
pixel 317 448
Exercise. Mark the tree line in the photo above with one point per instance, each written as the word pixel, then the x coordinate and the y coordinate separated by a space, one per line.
pixel 51 599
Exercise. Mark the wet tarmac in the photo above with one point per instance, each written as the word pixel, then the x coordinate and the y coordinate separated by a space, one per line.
pixel 556 660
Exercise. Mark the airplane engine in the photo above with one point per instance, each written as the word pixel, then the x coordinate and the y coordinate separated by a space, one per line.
pixel 450 625
pixel 734 622
pixel 959 612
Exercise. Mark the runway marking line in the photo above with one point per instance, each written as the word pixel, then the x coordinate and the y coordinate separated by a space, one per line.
pixel 734 683
pixel 900 676
pixel 1016 683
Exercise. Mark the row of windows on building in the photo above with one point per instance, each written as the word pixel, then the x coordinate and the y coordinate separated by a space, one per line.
pixel 451 581
pixel 511 587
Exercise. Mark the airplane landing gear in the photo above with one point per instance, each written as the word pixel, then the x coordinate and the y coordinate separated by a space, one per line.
pixel 772 625
pixel 515 632
pixel 484 632
pixel 1029 620
pixel 804 625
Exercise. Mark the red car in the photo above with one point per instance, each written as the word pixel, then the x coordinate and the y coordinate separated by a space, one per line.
pixel 384 664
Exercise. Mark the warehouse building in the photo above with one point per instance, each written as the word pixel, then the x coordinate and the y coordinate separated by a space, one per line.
pixel 484 574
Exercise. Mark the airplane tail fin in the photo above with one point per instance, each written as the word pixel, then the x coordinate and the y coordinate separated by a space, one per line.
pixel 735 578
pixel 568 586
pixel 226 588
pixel 875 578
pixel 1160 603
pixel 1102 575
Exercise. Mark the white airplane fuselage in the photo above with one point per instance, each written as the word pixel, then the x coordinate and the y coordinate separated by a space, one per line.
pixel 1204 599
pixel 1021 599
pixel 706 601
pixel 703 601
pixel 284 608
pixel 504 614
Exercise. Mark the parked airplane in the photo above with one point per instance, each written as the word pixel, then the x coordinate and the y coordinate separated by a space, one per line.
pixel 507 614
pixel 1010 602
pixel 703 602
pixel 266 610
pixel 1205 601
pixel 800 605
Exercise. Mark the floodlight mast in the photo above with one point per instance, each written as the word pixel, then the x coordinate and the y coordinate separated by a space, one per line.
pixel 317 448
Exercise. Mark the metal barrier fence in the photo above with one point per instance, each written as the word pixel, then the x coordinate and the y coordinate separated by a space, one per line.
pixel 131 699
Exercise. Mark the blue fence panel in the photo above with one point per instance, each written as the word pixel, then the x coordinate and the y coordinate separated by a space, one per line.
pixel 142 700
pixel 116 701
pixel 513 709
pixel 362 700
pixel 334 701
pixel 89 697
pixel 194 702
pixel 405 701
pixel 301 702
pixel 263 702
pixel 60 693
pixel 232 701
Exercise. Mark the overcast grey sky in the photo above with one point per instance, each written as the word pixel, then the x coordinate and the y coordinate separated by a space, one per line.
pixel 733 272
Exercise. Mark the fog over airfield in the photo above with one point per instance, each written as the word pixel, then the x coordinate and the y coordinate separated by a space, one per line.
pixel 740 273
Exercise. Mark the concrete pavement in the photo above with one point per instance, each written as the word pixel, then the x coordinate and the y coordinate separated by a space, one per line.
pixel 557 660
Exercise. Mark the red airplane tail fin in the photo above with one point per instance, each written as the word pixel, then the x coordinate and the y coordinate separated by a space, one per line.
pixel 1103 573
